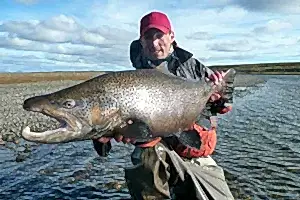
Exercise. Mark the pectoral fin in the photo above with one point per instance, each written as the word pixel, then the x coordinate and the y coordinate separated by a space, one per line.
pixel 106 114
pixel 163 68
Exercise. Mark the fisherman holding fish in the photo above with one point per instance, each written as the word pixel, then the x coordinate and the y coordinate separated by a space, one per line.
pixel 172 155
pixel 156 174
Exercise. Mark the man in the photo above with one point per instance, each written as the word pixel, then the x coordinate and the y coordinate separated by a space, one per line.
pixel 158 172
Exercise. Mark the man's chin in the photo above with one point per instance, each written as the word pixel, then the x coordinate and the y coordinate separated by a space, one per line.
pixel 158 56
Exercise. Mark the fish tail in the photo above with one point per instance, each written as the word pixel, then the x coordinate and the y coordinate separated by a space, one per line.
pixel 228 87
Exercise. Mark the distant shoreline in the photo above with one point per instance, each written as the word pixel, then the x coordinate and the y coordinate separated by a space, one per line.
pixel 31 77
pixel 288 68
pixel 292 68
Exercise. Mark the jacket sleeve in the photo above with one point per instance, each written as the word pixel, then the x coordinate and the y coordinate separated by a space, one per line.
pixel 134 52
pixel 201 70
pixel 194 69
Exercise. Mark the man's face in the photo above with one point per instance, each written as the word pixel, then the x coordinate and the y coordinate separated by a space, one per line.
pixel 156 44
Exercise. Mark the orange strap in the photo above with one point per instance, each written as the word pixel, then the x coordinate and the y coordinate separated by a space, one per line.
pixel 208 144
pixel 152 143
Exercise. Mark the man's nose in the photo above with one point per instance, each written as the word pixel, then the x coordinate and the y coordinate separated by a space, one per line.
pixel 155 42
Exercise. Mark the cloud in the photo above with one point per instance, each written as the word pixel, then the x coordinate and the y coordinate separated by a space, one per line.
pixel 291 6
pixel 58 62
pixel 273 26
pixel 64 29
pixel 231 46
pixel 71 41
pixel 27 2
pixel 199 36
pixel 220 57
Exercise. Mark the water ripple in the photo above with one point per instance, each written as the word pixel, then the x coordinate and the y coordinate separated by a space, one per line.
pixel 258 142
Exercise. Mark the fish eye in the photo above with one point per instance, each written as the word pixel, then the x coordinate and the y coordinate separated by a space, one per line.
pixel 69 103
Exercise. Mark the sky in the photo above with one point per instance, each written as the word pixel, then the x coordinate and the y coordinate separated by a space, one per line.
pixel 84 35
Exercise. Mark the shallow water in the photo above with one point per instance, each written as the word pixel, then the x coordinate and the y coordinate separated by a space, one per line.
pixel 65 171
pixel 259 141
pixel 258 146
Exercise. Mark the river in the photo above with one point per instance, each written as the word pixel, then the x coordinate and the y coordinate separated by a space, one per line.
pixel 258 147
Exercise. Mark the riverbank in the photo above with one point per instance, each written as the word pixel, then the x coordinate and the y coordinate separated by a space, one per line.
pixel 288 68
pixel 242 80
pixel 31 77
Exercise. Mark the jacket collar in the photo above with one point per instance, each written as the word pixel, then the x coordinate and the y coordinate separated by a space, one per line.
pixel 182 54
pixel 178 54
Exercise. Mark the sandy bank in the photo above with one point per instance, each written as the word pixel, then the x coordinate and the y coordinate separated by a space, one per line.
pixel 12 78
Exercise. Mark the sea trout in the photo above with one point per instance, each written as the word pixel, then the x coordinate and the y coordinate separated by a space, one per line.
pixel 158 103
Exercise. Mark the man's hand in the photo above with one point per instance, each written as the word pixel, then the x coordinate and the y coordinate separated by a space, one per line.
pixel 216 78
pixel 103 145
pixel 118 138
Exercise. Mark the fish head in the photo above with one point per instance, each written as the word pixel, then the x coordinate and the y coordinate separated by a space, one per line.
pixel 72 111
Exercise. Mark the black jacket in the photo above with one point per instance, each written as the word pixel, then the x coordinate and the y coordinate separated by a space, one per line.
pixel 182 63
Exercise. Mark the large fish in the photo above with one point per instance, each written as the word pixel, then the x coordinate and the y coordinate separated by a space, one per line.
pixel 158 103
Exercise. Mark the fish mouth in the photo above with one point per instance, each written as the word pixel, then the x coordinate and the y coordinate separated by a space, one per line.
pixel 70 129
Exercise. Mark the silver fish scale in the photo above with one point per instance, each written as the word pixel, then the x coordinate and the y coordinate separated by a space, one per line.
pixel 163 102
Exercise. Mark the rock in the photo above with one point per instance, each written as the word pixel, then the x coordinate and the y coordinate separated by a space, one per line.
pixel 9 137
pixel 20 149
pixel 80 175
pixel 1 141
pixel 115 185
pixel 27 148
pixel 21 157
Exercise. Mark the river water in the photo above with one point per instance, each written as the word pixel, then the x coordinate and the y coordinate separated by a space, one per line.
pixel 258 147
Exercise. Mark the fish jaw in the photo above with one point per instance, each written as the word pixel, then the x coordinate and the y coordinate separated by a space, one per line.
pixel 58 135
pixel 71 127
pixel 63 134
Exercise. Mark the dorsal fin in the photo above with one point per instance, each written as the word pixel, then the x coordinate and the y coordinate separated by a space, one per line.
pixel 163 67
pixel 230 75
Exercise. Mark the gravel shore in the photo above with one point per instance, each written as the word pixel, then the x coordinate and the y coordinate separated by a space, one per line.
pixel 14 118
